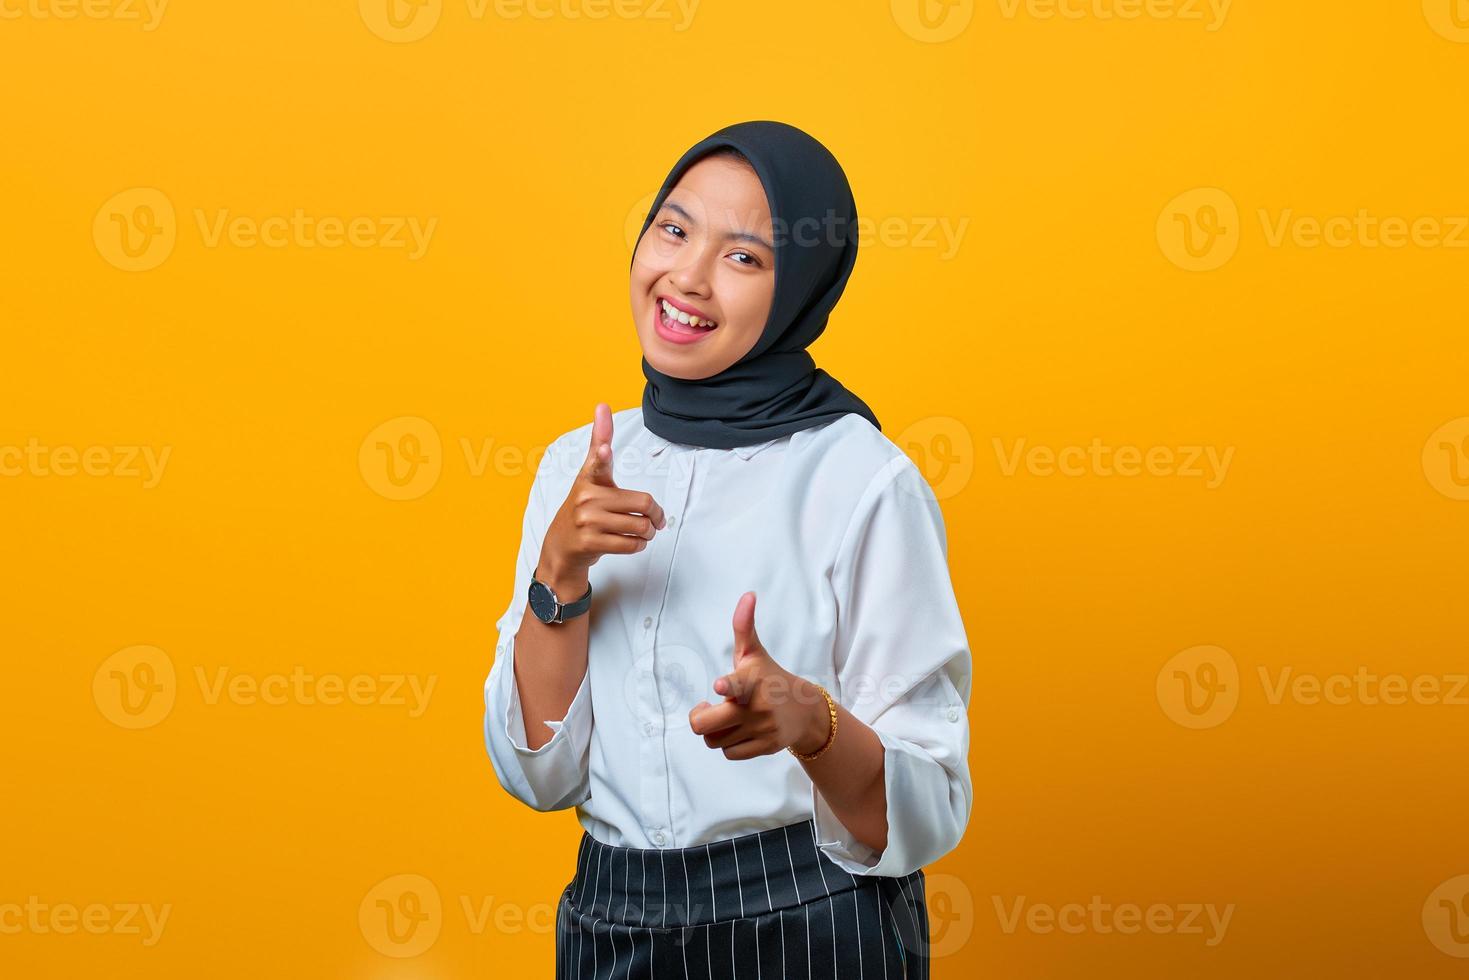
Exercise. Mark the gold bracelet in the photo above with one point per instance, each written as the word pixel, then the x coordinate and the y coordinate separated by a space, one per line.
pixel 831 706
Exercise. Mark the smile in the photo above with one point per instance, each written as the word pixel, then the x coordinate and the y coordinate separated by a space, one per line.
pixel 679 324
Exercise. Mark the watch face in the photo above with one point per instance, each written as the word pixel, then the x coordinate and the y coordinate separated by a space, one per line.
pixel 542 601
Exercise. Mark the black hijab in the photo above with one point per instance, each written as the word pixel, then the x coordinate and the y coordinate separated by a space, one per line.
pixel 776 388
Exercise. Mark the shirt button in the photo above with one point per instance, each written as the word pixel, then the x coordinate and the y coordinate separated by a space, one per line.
pixel 658 837
pixel 953 713
pixel 648 728
pixel 672 520
pixel 647 621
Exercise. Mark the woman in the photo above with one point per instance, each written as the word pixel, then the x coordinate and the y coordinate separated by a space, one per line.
pixel 780 830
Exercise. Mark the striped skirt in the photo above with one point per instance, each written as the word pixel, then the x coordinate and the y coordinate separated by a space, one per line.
pixel 763 905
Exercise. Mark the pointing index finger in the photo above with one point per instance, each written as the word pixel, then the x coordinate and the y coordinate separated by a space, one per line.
pixel 598 467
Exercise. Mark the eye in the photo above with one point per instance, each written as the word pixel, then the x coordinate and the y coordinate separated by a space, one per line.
pixel 676 229
pixel 753 260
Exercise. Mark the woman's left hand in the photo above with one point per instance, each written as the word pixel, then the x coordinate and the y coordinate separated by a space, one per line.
pixel 766 707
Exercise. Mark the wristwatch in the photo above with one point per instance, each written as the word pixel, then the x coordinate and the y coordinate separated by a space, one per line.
pixel 549 608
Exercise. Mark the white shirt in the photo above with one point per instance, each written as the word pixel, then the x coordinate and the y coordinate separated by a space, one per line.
pixel 841 539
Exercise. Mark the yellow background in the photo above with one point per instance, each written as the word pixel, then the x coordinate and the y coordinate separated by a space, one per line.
pixel 1335 541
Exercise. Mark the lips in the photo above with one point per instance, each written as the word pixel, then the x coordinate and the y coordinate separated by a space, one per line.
pixel 675 331
pixel 684 313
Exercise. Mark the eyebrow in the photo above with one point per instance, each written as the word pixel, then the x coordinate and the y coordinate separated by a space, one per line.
pixel 738 236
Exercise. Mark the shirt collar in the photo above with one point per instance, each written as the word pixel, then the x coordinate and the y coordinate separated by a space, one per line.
pixel 745 452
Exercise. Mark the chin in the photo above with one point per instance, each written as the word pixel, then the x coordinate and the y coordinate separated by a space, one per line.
pixel 683 373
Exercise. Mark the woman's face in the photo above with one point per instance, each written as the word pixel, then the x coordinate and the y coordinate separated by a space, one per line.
pixel 709 254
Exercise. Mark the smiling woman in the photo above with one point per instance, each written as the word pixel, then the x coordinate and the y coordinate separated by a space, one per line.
pixel 704 275
pixel 782 829
pixel 757 222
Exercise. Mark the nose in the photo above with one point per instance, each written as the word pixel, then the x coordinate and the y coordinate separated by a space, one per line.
pixel 691 275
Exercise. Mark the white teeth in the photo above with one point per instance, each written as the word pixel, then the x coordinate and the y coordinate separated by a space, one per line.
pixel 674 313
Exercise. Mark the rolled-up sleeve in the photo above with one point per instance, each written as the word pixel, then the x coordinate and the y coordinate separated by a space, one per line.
pixel 903 667
pixel 554 776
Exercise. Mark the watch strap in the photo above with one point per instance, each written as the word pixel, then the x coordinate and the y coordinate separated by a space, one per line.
pixel 571 610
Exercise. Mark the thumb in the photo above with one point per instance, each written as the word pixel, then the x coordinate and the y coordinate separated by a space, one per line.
pixel 746 639
pixel 598 465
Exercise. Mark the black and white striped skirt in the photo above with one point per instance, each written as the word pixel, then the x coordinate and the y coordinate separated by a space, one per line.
pixel 763 906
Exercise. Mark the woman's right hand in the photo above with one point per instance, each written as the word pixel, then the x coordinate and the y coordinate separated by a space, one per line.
pixel 597 518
